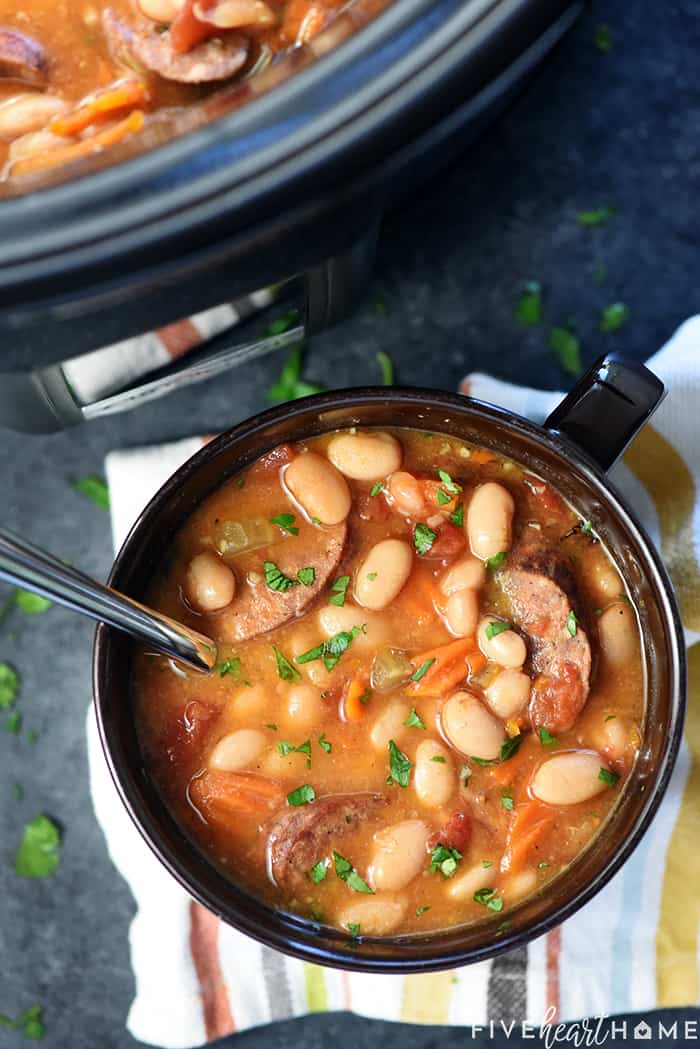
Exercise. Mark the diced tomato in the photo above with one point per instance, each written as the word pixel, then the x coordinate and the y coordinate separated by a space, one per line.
pixel 557 698
pixel 546 498
pixel 454 834
pixel 450 542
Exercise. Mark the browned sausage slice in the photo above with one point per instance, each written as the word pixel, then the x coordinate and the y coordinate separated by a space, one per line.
pixel 256 608
pixel 299 838
pixel 22 58
pixel 215 59
pixel 542 592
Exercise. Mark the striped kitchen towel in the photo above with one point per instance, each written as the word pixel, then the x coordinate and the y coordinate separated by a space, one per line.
pixel 197 979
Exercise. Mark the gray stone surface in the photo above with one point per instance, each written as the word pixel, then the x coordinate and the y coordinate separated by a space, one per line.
pixel 618 128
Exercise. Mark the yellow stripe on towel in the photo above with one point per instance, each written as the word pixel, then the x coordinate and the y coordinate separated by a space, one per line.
pixel 669 482
pixel 426 998
pixel 679 914
pixel 316 992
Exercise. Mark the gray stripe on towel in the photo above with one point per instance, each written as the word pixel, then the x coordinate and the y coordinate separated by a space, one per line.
pixel 506 996
pixel 279 995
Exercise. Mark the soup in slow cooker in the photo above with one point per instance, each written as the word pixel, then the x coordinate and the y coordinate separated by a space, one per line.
pixel 79 75
pixel 429 690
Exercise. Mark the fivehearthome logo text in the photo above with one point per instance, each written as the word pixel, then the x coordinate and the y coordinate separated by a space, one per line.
pixel 590 1032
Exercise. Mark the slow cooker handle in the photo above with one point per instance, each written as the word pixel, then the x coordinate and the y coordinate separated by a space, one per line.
pixel 607 407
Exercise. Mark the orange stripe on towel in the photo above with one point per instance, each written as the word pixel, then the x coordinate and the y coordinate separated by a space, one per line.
pixel 204 946
pixel 553 949
pixel 179 337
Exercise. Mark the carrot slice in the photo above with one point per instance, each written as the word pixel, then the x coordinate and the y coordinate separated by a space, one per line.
pixel 64 154
pixel 230 795
pixel 507 772
pixel 531 822
pixel 451 664
pixel 481 456
pixel 124 95
pixel 418 600
pixel 355 705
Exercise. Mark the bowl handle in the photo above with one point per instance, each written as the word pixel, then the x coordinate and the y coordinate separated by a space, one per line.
pixel 607 407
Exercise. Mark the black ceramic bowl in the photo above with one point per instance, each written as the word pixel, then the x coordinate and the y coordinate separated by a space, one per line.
pixel 624 396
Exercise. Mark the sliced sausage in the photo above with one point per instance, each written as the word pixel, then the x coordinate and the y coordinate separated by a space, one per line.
pixel 299 838
pixel 22 58
pixel 215 59
pixel 256 608
pixel 542 593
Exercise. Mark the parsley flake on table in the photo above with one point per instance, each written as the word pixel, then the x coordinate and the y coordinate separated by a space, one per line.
pixel 94 488
pixel 286 523
pixel 399 766
pixel 528 310
pixel 339 590
pixel 495 627
pixel 332 649
pixel 276 579
pixel 422 669
pixel 347 873
pixel 444 860
pixel 318 872
pixel 614 317
pixel 301 796
pixel 290 386
pixel 31 604
pixel 385 363
pixel 488 898
pixel 566 348
pixel 9 685
pixel 38 854
pixel 414 720
pixel 285 670
pixel 29 1023
pixel 603 37
pixel 595 216
pixel 423 538
pixel 307 576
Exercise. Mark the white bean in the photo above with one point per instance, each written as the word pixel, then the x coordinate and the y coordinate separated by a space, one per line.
pixel 465 883
pixel 489 520
pixel 406 494
pixel 389 725
pixel 603 578
pixel 161 11
pixel 375 915
pixel 237 750
pixel 470 728
pixel 468 574
pixel 508 693
pixel 25 113
pixel 435 780
pixel 569 778
pixel 319 488
pixel 209 584
pixel 399 856
pixel 505 648
pixel 520 884
pixel 383 573
pixel 365 456
pixel 252 704
pixel 617 634
pixel 304 706
pixel 462 613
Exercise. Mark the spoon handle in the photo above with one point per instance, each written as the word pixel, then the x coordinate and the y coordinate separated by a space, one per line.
pixel 34 569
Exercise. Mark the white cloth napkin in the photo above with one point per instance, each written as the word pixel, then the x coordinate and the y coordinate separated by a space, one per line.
pixel 632 948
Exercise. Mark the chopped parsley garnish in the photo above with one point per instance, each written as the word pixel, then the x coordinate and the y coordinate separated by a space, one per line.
pixel 610 717
pixel 325 744
pixel 443 498
pixel 347 873
pixel 546 739
pixel 285 670
pixel 9 685
pixel 316 521
pixel 290 384
pixel 614 317
pixel 377 488
pixel 301 796
pixel 487 863
pixel 307 576
pixel 507 800
pixel 332 649
pixel 495 627
pixel 270 724
pixel 566 348
pixel 399 766
pixel 608 777
pixel 595 216
pixel 27 1023
pixel 587 528
pixel 230 667
pixel 421 910
pixel 451 486
pixel 286 748
pixel 488 898
pixel 339 591
pixel 286 523
pixel 422 669
pixel 94 488
pixel 445 860
pixel 385 363
pixel 542 864
pixel 240 482
pixel 31 604
pixel 603 37
pixel 318 872
pixel 371 576
pixel 439 759
pixel 528 310
pixel 413 720
pixel 571 623
pixel 38 854
pixel 277 580
pixel 423 538
pixel 354 929
pixel 496 560
pixel 457 518
pixel 511 746
pixel 483 762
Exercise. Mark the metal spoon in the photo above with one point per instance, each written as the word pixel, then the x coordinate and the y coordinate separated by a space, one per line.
pixel 36 570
